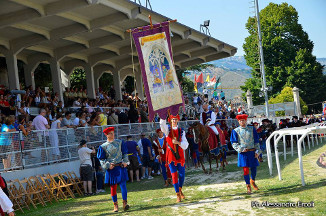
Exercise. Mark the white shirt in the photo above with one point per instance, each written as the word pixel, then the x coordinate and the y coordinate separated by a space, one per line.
pixel 165 129
pixel 76 104
pixel 205 91
pixel 26 110
pixel 85 155
pixel 5 202
pixel 140 145
pixel 37 99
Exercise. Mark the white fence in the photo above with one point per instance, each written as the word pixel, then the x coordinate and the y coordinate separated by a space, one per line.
pixel 311 134
pixel 288 107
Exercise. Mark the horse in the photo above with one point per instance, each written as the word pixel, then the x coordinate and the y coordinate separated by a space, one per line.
pixel 203 136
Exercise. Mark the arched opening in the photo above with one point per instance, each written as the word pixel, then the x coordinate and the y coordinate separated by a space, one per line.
pixel 106 82
pixel 129 84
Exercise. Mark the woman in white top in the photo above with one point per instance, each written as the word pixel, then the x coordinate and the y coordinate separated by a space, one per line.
pixel 54 139
pixel 37 99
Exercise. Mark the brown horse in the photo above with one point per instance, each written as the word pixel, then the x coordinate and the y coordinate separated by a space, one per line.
pixel 203 137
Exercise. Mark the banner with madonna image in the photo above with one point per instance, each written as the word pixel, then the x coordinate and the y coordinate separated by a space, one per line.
pixel 160 80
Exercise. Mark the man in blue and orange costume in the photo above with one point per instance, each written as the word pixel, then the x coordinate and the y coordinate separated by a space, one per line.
pixel 113 155
pixel 245 141
pixel 175 157
pixel 160 150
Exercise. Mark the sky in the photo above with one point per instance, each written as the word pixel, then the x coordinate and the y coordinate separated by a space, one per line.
pixel 228 18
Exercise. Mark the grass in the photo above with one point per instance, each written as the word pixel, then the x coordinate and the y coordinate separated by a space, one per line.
pixel 221 193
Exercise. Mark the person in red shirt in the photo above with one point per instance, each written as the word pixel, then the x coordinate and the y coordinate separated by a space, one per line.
pixel 160 150
pixel 175 157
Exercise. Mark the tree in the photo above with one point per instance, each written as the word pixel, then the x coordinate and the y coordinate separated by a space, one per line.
pixel 78 78
pixel 106 81
pixel 130 84
pixel 305 68
pixel 42 76
pixel 286 95
pixel 284 42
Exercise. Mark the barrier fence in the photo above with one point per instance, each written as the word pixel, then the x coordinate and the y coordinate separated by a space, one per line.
pixel 38 148
pixel 52 146
pixel 301 136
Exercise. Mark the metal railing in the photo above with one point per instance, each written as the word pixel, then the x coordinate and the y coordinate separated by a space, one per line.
pixel 75 109
pixel 52 146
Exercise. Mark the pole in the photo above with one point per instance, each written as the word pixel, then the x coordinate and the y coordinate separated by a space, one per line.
pixel 262 67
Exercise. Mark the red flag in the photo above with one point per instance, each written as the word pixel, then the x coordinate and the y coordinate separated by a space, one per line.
pixel 200 78
pixel 213 80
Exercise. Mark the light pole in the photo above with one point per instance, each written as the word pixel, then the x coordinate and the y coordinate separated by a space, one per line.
pixel 262 67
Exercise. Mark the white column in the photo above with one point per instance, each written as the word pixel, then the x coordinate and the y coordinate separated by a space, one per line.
pixel 97 76
pixel 117 85
pixel 29 76
pixel 11 61
pixel 56 77
pixel 90 82
pixel 249 103
pixel 139 84
pixel 296 99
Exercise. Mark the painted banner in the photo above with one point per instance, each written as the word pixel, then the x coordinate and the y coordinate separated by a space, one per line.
pixel 160 80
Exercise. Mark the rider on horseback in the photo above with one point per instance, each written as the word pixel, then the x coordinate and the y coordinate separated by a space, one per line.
pixel 176 144
pixel 208 118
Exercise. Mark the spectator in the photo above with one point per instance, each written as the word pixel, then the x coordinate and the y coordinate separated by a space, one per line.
pixel 66 96
pixel 25 129
pixel 76 120
pixel 82 120
pixel 59 108
pixel 23 110
pixel 99 174
pixel 6 140
pixel 132 114
pixel 4 103
pixel 222 95
pixel 133 153
pixel 66 121
pixel 40 122
pixel 86 170
pixel 148 158
pixel 113 118
pixel 103 120
pixel 77 103
pixel 54 138
pixel 123 117
pixel 143 115
pixel 37 99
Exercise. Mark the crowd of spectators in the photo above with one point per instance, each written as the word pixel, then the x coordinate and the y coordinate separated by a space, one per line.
pixel 78 111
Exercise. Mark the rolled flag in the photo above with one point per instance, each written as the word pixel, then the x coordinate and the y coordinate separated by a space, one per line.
pixel 207 79
pixel 200 78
